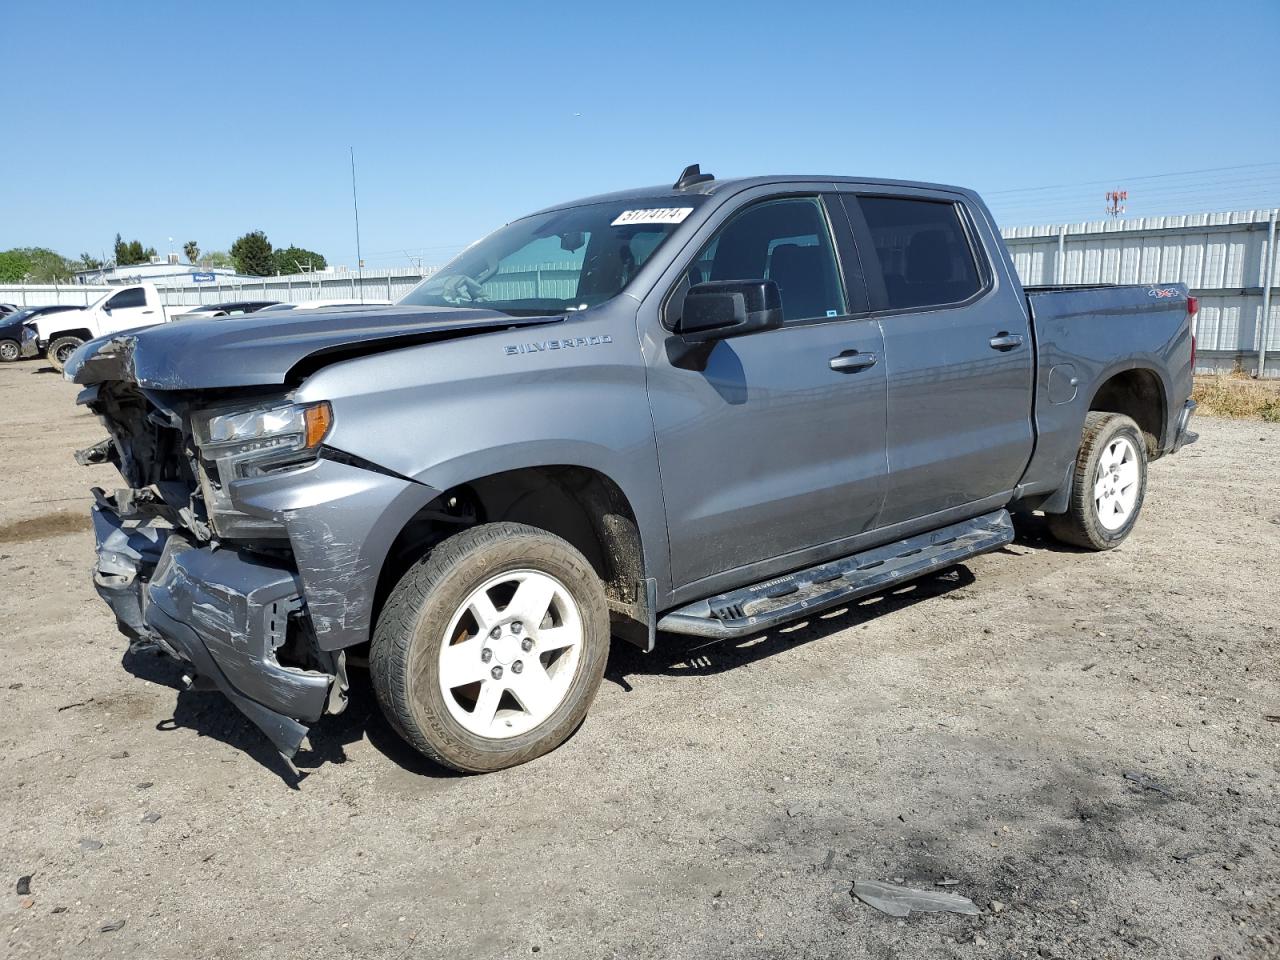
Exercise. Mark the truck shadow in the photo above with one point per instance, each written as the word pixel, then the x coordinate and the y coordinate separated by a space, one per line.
pixel 209 714
pixel 677 655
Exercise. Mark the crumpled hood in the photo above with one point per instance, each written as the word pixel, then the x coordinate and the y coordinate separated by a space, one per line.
pixel 258 349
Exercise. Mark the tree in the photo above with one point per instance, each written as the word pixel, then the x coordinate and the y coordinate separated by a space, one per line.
pixel 192 250
pixel 128 254
pixel 34 265
pixel 252 255
pixel 298 260
pixel 47 265
pixel 89 262
pixel 14 266
pixel 218 258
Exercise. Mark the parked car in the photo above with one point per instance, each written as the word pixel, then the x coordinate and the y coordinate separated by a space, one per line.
pixel 59 335
pixel 11 328
pixel 706 409
pixel 325 305
pixel 236 308
pixel 7 308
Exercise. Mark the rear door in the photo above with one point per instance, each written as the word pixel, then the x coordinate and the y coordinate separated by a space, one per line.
pixel 958 352
pixel 774 445
pixel 131 307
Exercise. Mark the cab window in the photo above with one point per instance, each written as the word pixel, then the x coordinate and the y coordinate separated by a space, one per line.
pixel 925 259
pixel 786 241
pixel 133 297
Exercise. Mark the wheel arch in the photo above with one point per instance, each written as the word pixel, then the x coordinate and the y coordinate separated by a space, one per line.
pixel 1140 393
pixel 581 504
pixel 81 332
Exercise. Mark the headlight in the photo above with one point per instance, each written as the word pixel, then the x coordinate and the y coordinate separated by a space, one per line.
pixel 249 442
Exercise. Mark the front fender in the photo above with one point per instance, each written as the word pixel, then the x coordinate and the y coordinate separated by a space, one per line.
pixel 449 413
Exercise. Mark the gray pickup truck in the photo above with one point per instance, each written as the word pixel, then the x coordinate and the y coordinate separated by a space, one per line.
pixel 707 409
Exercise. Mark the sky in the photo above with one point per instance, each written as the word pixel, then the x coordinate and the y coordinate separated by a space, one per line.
pixel 159 121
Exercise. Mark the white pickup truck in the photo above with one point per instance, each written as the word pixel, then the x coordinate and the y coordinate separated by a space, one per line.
pixel 57 335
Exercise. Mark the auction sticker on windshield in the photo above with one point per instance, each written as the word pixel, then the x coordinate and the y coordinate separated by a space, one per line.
pixel 656 215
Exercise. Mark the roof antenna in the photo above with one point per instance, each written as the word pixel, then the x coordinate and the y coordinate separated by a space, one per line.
pixel 692 174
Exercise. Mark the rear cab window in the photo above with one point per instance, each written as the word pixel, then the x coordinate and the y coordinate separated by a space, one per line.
pixel 922 255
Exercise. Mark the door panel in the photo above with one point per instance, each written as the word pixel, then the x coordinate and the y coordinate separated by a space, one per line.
pixel 958 352
pixel 769 450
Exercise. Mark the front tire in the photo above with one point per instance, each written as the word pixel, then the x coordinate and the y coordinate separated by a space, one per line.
pixel 10 351
pixel 1108 485
pixel 490 650
pixel 60 351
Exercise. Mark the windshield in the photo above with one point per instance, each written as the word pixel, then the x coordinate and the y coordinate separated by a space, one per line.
pixel 567 259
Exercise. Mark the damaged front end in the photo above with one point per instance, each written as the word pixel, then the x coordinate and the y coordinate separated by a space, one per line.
pixel 187 573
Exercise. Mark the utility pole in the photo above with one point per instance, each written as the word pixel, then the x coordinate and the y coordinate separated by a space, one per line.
pixel 355 206
pixel 1116 202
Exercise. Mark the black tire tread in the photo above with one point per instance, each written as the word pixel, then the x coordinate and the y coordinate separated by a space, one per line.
pixel 51 354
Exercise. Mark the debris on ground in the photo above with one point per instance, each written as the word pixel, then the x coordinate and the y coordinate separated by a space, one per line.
pixel 78 703
pixel 119 755
pixel 24 885
pixel 111 927
pixel 151 817
pixel 898 901
pixel 87 844
pixel 1146 783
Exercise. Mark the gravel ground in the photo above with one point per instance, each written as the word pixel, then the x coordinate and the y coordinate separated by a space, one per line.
pixel 1079 740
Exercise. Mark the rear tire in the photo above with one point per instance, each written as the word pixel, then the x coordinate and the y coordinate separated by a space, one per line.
pixel 9 351
pixel 1108 485
pixel 490 650
pixel 60 351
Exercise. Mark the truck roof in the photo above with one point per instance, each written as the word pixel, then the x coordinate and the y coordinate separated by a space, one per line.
pixel 735 184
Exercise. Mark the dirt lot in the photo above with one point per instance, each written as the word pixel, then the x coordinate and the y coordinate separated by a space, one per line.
pixel 1079 740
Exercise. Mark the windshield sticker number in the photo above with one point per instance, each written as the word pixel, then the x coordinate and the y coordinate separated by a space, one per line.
pixel 656 215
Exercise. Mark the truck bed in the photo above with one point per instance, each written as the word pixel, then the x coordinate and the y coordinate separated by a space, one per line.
pixel 1086 335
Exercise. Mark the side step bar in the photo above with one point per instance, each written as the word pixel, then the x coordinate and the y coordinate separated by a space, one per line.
pixel 764 605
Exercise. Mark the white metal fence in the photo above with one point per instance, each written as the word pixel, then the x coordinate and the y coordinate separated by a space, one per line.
pixel 1229 260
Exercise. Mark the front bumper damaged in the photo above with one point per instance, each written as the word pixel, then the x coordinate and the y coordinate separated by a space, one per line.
pixel 266 629
pixel 222 614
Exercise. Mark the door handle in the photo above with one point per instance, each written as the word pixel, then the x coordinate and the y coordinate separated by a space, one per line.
pixel 1005 341
pixel 148 311
pixel 852 362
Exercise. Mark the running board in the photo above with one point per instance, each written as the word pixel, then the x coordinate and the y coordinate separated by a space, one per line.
pixel 765 605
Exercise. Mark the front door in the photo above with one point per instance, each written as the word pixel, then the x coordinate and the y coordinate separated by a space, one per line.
pixel 958 357
pixel 776 443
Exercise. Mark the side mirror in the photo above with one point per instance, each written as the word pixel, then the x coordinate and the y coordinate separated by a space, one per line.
pixel 729 308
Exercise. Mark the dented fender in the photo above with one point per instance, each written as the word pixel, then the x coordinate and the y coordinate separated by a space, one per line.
pixel 341 520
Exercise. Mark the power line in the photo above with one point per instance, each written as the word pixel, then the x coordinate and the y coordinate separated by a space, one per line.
pixel 1111 181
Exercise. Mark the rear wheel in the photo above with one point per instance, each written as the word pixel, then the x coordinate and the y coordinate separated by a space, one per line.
pixel 9 351
pixel 60 351
pixel 489 651
pixel 1108 484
